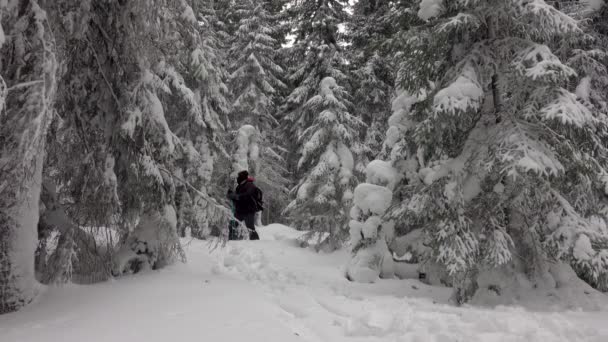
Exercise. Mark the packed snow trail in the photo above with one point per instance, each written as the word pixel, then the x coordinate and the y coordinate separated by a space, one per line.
pixel 321 305
pixel 271 290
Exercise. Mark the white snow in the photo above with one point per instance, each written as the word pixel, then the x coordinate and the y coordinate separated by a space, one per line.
pixel 370 227
pixel 347 163
pixel 399 122
pixel 273 291
pixel 582 248
pixel 327 85
pixel 188 13
pixel 2 36
pixel 450 190
pixel 370 263
pixel 583 90
pixel 109 175
pixel 594 4
pixel 247 149
pixel 380 172
pixel 156 113
pixel 568 110
pixel 532 156
pixel 151 241
pixel 132 121
pixel 373 198
pixel 539 62
pixel 465 93
pixel 430 9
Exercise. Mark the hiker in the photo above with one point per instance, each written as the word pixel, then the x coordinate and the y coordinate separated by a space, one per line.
pixel 247 201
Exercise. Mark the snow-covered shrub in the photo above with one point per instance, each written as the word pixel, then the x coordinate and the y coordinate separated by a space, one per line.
pixel 152 244
pixel 369 232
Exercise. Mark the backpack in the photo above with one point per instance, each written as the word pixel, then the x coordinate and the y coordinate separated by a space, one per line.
pixel 258 198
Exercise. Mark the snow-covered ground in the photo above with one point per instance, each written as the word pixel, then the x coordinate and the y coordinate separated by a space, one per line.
pixel 271 290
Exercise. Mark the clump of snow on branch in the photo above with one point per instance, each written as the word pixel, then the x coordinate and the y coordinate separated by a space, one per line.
pixel 538 63
pixel 568 110
pixel 399 121
pixel 594 4
pixel 247 151
pixel 188 13
pixel 521 153
pixel 430 9
pixel 369 232
pixel 465 93
pixel 382 173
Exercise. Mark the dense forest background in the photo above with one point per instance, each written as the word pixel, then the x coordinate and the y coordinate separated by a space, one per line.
pixel 467 136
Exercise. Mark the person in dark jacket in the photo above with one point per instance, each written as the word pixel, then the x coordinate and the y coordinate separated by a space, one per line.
pixel 244 202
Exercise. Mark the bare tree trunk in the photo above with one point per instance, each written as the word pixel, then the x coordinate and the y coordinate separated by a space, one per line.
pixel 28 69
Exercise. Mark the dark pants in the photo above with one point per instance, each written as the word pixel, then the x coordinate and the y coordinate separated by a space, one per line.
pixel 249 220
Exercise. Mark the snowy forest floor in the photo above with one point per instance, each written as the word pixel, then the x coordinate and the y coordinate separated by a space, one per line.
pixel 272 290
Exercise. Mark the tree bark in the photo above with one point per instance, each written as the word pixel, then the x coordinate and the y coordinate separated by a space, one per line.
pixel 497 101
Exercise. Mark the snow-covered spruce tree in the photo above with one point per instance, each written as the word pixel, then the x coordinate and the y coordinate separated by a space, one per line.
pixel 255 76
pixel 125 139
pixel 206 75
pixel 324 195
pixel 600 22
pixel 318 113
pixel 507 164
pixel 590 61
pixel 372 103
pixel 28 84
pixel 315 54
pixel 373 31
pixel 256 86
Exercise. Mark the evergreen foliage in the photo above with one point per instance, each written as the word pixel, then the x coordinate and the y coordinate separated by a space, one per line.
pixel 319 115
pixel 508 154
pixel 481 125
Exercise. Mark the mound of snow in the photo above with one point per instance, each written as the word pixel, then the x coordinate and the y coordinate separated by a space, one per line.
pixel 559 289
pixel 278 232
pixel 594 5
pixel 373 198
pixel 430 9
pixel 382 173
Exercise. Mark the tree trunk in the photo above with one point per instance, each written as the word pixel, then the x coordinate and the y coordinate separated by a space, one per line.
pixel 28 69
pixel 497 101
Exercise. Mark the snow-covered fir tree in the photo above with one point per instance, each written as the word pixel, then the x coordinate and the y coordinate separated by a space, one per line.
pixel 325 192
pixel 130 152
pixel 315 54
pixel 28 69
pixel 121 147
pixel 374 30
pixel 122 122
pixel 206 75
pixel 255 76
pixel 319 115
pixel 256 84
pixel 506 162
